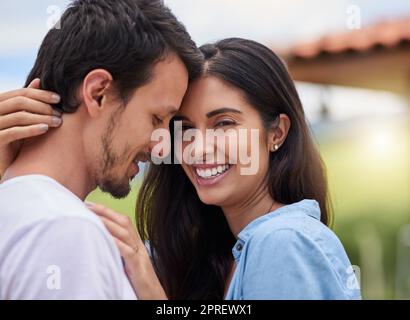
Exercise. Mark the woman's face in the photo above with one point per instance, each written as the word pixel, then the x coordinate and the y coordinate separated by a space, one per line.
pixel 219 179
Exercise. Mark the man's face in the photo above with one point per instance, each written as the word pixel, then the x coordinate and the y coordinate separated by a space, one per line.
pixel 126 139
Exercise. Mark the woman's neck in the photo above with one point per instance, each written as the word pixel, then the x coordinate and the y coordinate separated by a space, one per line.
pixel 239 216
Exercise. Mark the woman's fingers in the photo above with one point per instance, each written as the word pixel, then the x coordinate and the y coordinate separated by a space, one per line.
pixel 26 113
pixel 118 225
pixel 115 229
pixel 22 118
pixel 18 133
pixel 35 84
pixel 24 103
pixel 141 272
pixel 137 262
pixel 32 92
pixel 110 214
pixel 126 250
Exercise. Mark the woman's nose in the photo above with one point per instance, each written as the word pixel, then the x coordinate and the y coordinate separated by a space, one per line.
pixel 204 147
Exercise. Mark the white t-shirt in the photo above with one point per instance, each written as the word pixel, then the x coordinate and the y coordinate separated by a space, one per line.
pixel 53 247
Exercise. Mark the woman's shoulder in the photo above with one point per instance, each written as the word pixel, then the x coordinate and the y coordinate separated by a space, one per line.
pixel 298 221
pixel 297 230
pixel 294 243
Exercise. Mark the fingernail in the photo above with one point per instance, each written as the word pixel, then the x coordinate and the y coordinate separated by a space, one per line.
pixel 89 204
pixel 44 127
pixel 56 121
pixel 56 98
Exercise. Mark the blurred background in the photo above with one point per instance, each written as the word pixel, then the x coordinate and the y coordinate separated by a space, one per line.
pixel 351 61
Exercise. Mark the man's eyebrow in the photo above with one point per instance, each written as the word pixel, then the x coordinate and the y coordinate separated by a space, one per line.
pixel 222 110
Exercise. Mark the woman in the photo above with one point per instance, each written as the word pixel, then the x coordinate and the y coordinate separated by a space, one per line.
pixel 216 233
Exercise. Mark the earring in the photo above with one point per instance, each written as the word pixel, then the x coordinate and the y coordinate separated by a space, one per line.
pixel 275 148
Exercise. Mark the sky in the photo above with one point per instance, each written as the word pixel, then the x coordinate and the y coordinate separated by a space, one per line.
pixel 277 23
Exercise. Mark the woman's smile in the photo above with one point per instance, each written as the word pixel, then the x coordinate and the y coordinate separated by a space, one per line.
pixel 210 174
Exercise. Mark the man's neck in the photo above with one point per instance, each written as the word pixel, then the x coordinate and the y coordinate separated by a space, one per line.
pixel 59 154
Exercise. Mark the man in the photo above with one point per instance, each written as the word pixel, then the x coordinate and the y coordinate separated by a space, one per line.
pixel 121 68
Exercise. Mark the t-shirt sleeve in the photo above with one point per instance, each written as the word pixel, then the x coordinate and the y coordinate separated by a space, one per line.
pixel 65 258
pixel 286 264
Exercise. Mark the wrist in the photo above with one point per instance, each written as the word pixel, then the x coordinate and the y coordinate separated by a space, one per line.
pixel 144 279
pixel 147 284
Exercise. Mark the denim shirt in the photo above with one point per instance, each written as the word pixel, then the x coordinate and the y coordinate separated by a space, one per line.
pixel 290 254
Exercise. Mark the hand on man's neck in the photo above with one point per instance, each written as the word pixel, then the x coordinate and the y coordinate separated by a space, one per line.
pixel 60 155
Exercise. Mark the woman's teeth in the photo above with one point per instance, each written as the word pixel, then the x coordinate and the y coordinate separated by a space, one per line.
pixel 212 172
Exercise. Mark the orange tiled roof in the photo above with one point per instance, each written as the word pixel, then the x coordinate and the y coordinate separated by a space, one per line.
pixel 385 34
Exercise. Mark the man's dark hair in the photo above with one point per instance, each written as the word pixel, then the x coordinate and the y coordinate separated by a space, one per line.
pixel 124 37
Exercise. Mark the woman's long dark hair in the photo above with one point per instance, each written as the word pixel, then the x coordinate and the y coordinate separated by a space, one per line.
pixel 190 241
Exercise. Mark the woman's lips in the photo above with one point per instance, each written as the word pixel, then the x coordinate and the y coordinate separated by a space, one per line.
pixel 209 181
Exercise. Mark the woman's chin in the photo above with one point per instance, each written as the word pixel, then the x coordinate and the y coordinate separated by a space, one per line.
pixel 212 198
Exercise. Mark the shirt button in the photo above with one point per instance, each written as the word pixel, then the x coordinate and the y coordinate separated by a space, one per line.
pixel 239 247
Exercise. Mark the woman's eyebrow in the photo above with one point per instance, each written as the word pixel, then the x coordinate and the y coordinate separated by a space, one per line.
pixel 210 114
pixel 222 110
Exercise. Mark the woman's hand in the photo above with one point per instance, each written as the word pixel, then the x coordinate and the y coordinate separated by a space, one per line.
pixel 138 265
pixel 24 113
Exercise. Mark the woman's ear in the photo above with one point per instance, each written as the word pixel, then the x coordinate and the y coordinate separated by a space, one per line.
pixel 278 132
pixel 94 90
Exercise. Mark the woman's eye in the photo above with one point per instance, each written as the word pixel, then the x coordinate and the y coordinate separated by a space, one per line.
pixel 186 127
pixel 182 127
pixel 224 123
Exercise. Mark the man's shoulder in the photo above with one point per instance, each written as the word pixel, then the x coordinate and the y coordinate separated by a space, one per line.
pixel 33 200
pixel 47 220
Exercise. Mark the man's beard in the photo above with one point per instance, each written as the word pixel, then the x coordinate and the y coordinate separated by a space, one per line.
pixel 118 189
pixel 110 181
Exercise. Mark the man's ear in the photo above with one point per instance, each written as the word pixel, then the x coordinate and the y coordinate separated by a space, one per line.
pixel 94 90
pixel 278 132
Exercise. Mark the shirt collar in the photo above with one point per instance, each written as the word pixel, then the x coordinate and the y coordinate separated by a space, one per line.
pixel 307 206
